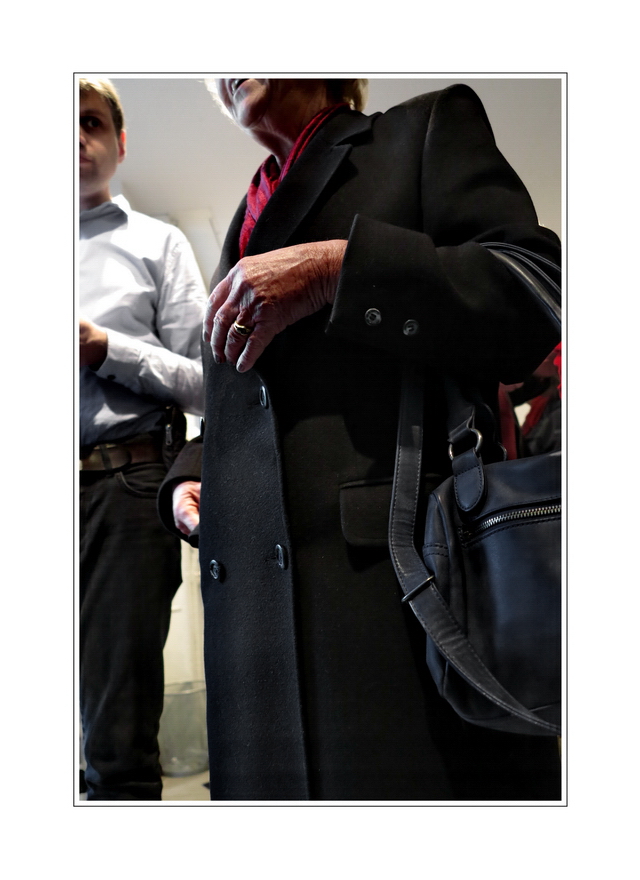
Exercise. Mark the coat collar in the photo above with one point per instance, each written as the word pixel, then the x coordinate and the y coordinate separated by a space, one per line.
pixel 231 247
pixel 299 191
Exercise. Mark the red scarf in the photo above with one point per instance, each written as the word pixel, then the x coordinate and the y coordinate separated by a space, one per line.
pixel 507 424
pixel 268 176
pixel 538 404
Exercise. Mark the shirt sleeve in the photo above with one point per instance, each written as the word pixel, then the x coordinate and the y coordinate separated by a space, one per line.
pixel 171 370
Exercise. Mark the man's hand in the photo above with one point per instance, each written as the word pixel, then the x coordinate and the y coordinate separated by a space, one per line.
pixel 186 506
pixel 93 344
pixel 265 294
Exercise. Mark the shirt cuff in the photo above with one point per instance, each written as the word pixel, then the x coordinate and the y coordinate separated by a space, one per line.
pixel 122 363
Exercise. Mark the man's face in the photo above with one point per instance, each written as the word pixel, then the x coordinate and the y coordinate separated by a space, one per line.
pixel 101 150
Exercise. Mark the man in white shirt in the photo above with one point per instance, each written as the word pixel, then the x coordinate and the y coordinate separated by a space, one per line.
pixel 141 301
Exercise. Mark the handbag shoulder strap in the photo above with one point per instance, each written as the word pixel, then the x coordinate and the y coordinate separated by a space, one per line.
pixel 416 581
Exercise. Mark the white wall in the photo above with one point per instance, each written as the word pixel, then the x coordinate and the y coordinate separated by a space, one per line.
pixel 183 652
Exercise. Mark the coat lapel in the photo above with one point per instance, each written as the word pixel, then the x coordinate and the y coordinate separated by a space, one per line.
pixel 300 189
pixel 231 247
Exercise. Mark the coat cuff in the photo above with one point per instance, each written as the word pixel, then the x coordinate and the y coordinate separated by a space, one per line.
pixel 380 300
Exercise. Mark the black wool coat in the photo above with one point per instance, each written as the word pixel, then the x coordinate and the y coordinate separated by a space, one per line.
pixel 317 686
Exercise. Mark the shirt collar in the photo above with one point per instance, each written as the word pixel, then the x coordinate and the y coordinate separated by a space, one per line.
pixel 117 206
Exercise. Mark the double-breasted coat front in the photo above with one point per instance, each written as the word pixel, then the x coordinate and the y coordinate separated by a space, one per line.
pixel 317 686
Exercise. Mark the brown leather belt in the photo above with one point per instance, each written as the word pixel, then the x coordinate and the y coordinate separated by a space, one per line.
pixel 110 457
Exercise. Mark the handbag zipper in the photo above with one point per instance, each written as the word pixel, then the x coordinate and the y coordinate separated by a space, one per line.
pixel 509 516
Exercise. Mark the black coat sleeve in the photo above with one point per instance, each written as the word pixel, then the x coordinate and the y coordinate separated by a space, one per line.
pixel 437 294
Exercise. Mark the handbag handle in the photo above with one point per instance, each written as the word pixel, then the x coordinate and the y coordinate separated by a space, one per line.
pixel 544 288
pixel 545 291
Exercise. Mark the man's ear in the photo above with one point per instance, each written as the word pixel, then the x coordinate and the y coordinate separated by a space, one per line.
pixel 122 146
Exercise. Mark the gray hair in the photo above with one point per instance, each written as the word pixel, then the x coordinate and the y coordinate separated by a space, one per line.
pixel 353 91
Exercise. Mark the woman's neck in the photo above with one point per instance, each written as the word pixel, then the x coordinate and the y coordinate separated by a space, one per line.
pixel 297 110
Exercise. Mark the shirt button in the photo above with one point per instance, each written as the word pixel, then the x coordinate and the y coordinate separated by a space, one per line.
pixel 372 317
pixel 264 397
pixel 216 570
pixel 281 556
pixel 411 328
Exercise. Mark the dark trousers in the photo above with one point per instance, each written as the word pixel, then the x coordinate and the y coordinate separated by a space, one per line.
pixel 129 573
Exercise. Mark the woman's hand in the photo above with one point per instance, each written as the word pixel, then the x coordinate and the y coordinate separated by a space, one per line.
pixel 186 506
pixel 266 293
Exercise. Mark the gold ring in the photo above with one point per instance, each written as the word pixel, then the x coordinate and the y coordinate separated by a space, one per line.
pixel 241 330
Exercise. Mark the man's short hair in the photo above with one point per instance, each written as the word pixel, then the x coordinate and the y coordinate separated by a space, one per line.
pixel 106 90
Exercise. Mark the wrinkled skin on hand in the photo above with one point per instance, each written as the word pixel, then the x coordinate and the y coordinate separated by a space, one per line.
pixel 269 292
pixel 186 506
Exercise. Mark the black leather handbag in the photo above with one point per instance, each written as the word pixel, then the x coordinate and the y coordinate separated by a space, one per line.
pixel 486 586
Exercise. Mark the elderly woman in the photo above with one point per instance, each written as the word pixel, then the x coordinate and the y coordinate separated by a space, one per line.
pixel 357 248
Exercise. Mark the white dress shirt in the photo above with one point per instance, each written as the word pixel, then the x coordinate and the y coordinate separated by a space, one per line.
pixel 138 280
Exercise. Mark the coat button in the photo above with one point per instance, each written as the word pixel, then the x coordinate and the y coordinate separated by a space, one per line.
pixel 411 328
pixel 264 397
pixel 281 556
pixel 216 570
pixel 372 317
